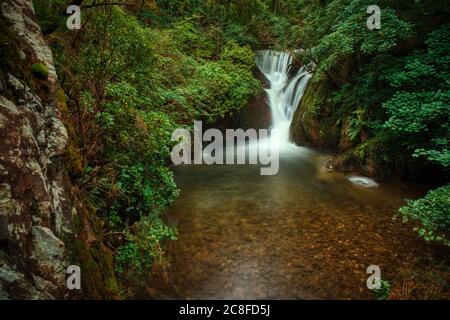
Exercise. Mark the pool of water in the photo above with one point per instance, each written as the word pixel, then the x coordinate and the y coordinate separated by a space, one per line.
pixel 305 233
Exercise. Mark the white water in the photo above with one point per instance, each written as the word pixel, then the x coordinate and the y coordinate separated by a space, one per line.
pixel 284 93
pixel 362 181
pixel 284 97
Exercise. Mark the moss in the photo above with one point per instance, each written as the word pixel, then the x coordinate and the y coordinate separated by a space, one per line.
pixel 315 122
pixel 98 280
pixel 73 156
pixel 39 70
pixel 74 162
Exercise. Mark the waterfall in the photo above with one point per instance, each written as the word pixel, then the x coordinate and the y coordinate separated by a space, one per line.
pixel 284 93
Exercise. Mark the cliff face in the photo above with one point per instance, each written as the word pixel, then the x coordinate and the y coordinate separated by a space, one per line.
pixel 44 226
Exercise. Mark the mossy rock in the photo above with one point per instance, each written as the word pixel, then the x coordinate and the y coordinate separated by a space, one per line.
pixel 363 158
pixel 98 279
pixel 74 158
pixel 315 122
pixel 39 70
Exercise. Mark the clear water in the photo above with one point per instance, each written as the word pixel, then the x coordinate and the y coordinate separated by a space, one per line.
pixel 304 233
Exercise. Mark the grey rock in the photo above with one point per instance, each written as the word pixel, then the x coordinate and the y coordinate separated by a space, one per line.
pixel 36 196
pixel 49 253
pixel 14 12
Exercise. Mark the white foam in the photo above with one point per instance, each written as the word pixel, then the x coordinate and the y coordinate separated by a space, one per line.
pixel 363 181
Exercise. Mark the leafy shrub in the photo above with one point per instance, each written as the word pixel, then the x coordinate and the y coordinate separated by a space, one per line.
pixel 419 112
pixel 240 34
pixel 189 38
pixel 343 23
pixel 139 141
pixel 131 83
pixel 356 124
pixel 238 55
pixel 220 88
pixel 143 191
pixel 384 291
pixel 143 247
pixel 432 212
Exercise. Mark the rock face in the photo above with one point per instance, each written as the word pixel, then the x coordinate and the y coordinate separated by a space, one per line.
pixel 313 123
pixel 318 124
pixel 38 203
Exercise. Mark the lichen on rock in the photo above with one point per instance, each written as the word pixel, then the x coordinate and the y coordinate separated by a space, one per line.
pixel 38 202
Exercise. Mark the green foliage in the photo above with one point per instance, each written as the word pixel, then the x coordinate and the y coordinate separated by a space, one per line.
pixel 242 56
pixel 240 34
pixel 218 89
pixel 415 116
pixel 50 16
pixel 384 291
pixel 39 70
pixel 357 124
pixel 143 248
pixel 124 52
pixel 140 192
pixel 432 213
pixel 131 82
pixel 132 126
pixel 346 35
pixel 139 140
pixel 280 29
pixel 189 39
pixel 247 22
pixel 419 112
pixel 210 89
pixel 397 77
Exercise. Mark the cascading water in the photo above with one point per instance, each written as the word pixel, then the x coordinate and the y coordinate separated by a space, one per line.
pixel 284 93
